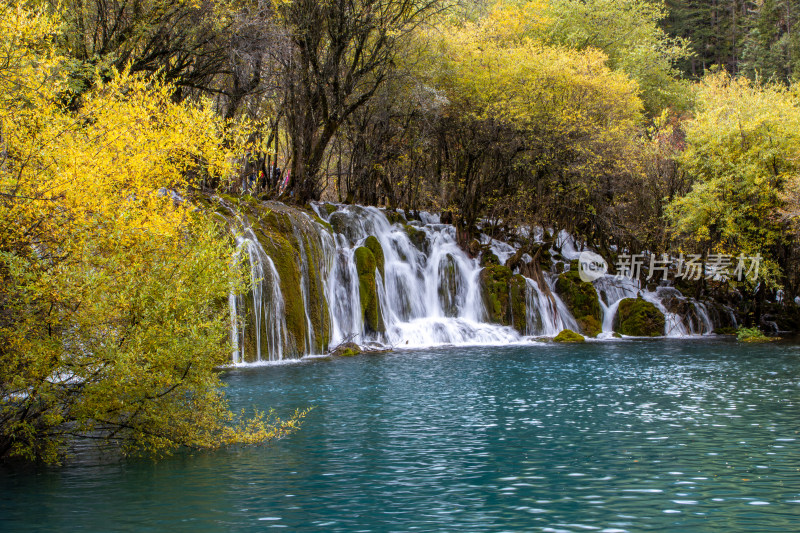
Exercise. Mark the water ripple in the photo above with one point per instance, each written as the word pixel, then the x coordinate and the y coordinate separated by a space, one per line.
pixel 634 436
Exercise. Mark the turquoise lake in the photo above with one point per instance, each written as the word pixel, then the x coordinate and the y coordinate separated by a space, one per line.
pixel 633 435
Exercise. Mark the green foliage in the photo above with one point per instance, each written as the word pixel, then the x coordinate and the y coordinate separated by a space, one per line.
pixel 568 336
pixel 752 335
pixel 757 39
pixel 628 32
pixel 639 318
pixel 742 156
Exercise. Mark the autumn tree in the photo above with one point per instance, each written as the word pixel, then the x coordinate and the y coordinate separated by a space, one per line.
pixel 112 302
pixel 741 155
pixel 532 130
pixel 628 32
pixel 342 53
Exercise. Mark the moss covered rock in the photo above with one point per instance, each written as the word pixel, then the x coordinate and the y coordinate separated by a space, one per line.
pixel 346 224
pixel 377 250
pixel 517 289
pixel 590 326
pixel 368 290
pixel 348 349
pixel 418 237
pixel 581 299
pixel 275 234
pixel 293 243
pixel 639 318
pixel 504 296
pixel 394 217
pixel 494 289
pixel 489 259
pixel 568 335
pixel 449 284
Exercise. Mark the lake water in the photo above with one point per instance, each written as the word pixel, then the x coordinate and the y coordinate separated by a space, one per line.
pixel 666 435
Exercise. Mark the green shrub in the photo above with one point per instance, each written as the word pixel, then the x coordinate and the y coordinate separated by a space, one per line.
pixel 752 335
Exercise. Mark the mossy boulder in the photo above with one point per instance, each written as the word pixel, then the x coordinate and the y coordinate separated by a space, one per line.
pixel 590 326
pixel 276 237
pixel 321 222
pixel 368 290
pixel 449 285
pixel 581 299
pixel 346 224
pixel 377 250
pixel 494 289
pixel 348 349
pixel 517 289
pixel 394 217
pixel 418 237
pixel 568 335
pixel 489 259
pixel 504 296
pixel 330 208
pixel 294 245
pixel 639 318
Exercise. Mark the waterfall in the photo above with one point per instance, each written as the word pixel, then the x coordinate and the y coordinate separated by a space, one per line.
pixel 429 292
pixel 264 307
pixel 306 293
pixel 683 316
pixel 547 314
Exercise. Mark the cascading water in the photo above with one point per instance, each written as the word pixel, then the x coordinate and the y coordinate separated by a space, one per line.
pixel 546 313
pixel 428 289
pixel 683 316
pixel 428 294
pixel 265 304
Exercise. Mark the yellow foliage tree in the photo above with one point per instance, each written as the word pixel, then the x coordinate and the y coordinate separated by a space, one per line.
pixel 559 119
pixel 112 306
pixel 742 155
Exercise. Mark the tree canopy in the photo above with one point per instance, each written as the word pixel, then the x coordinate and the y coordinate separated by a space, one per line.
pixel 112 313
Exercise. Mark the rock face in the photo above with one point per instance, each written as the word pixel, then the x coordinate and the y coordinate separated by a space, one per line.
pixel 568 335
pixel 581 299
pixel 449 285
pixel 639 318
pixel 368 288
pixel 294 244
pixel 504 296
pixel 377 251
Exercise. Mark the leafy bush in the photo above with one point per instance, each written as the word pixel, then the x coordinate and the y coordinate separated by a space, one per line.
pixel 752 335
